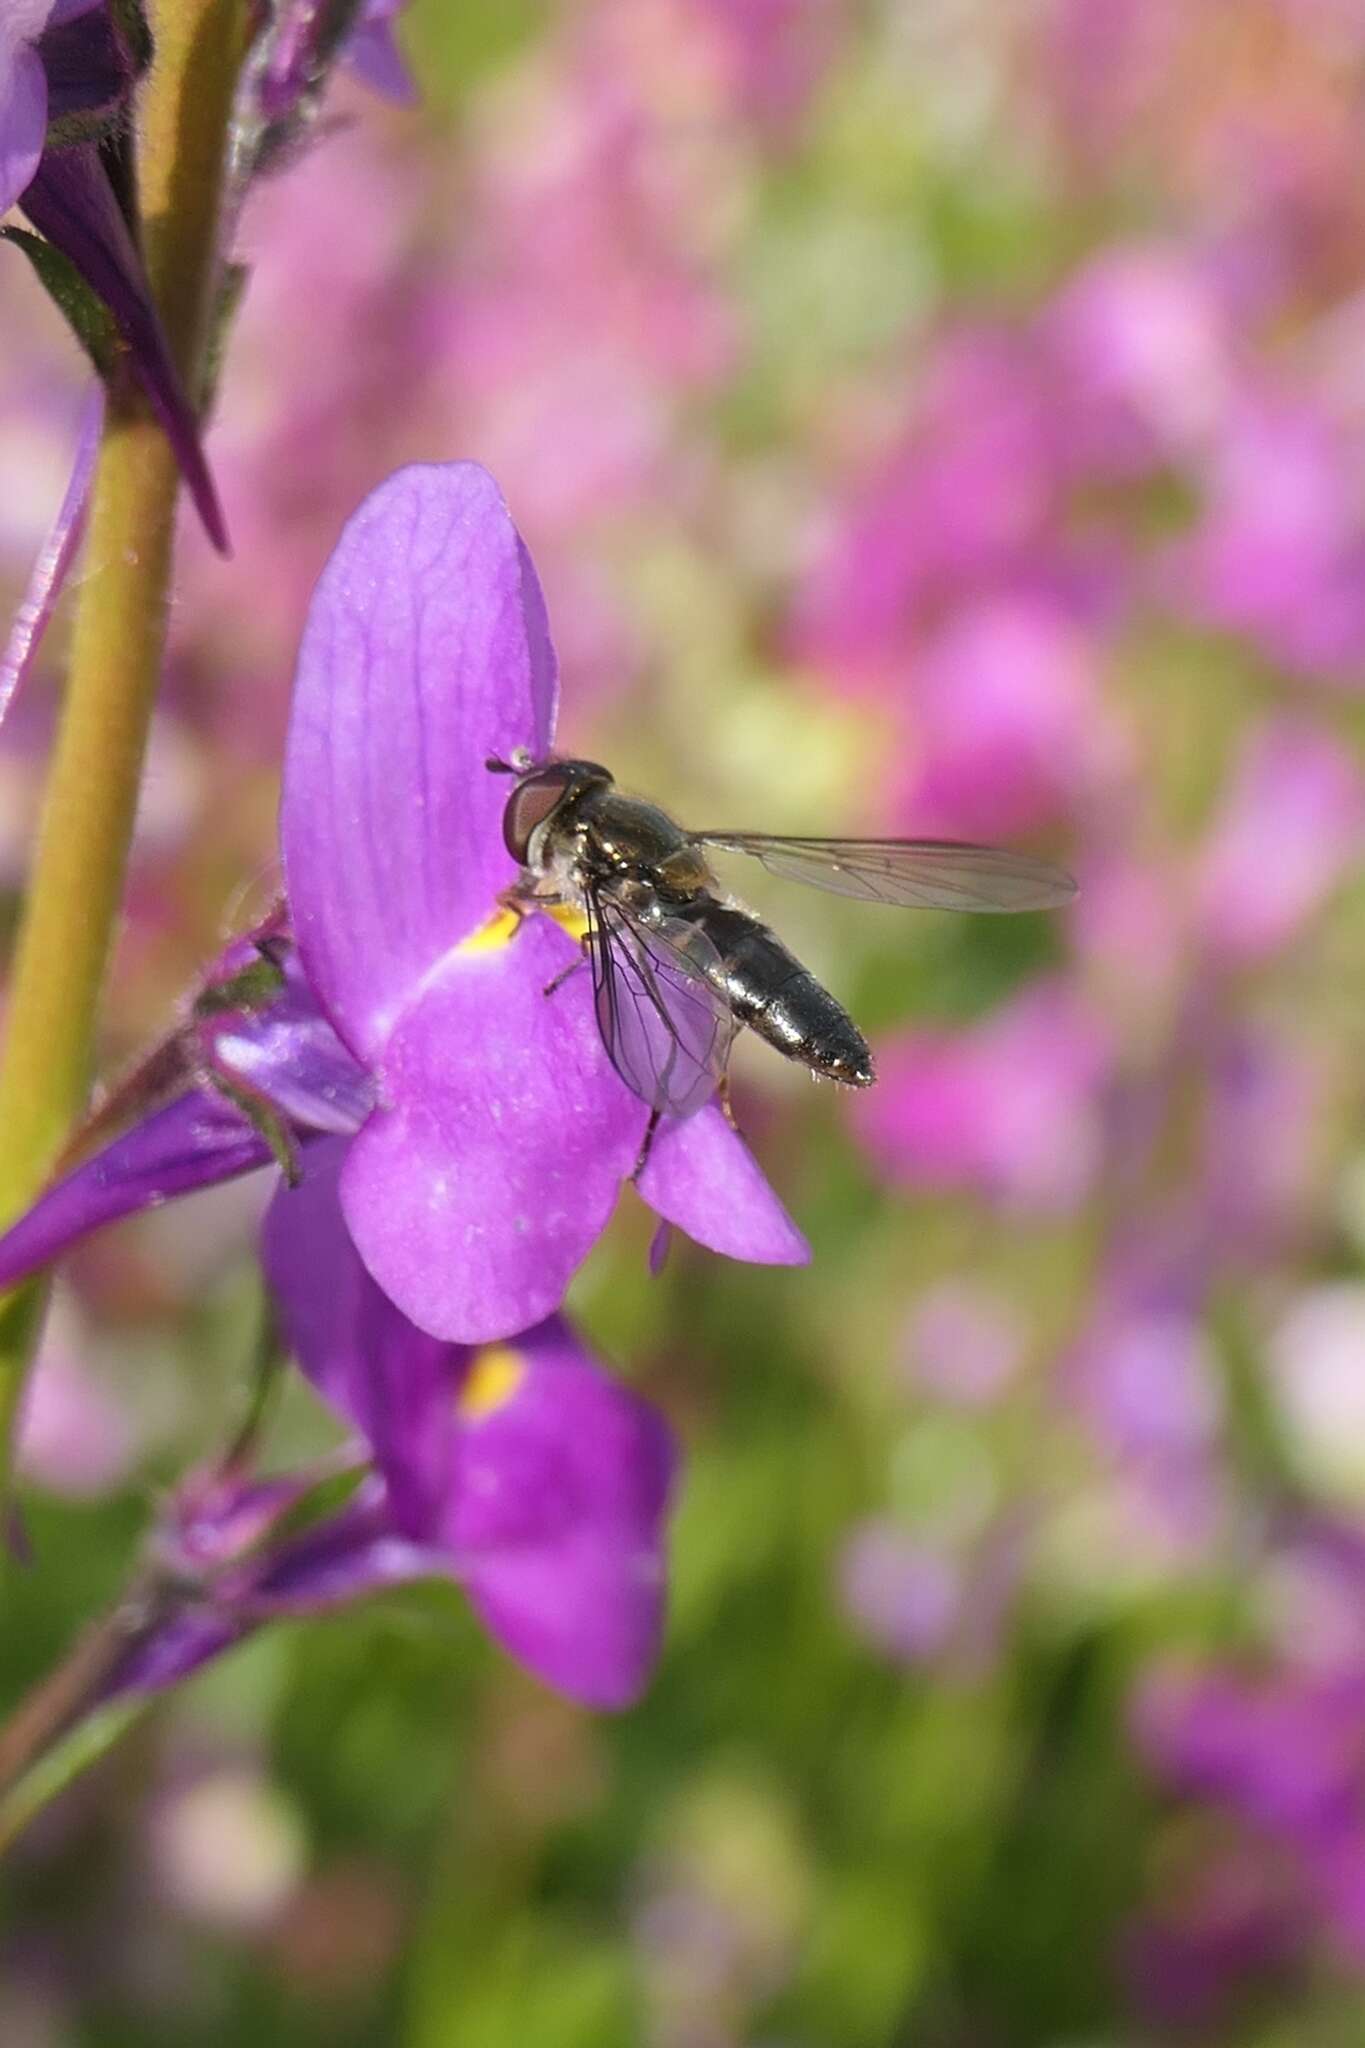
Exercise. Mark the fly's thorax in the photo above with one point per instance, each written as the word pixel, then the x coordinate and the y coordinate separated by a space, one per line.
pixel 626 835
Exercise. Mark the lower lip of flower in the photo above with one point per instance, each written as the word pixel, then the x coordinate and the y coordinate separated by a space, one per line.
pixel 502 927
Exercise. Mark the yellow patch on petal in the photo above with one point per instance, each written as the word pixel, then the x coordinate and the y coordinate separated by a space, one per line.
pixel 501 928
pixel 491 1382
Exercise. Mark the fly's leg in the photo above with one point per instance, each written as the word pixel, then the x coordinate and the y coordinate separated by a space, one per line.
pixel 567 973
pixel 522 901
pixel 261 1113
pixel 647 1144
pixel 727 1108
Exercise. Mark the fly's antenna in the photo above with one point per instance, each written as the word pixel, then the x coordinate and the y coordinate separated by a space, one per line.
pixel 518 765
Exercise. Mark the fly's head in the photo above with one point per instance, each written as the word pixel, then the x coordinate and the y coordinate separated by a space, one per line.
pixel 539 813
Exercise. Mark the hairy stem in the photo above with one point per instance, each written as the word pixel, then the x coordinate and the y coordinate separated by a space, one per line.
pixel 89 806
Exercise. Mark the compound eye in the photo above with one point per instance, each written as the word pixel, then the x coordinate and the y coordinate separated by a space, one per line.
pixel 529 805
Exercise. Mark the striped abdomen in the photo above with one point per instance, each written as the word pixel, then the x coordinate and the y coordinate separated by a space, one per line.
pixel 771 992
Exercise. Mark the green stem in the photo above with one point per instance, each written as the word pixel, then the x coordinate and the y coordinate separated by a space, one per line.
pixel 90 803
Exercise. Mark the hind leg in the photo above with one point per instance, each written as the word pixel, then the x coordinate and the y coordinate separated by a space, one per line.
pixel 647 1144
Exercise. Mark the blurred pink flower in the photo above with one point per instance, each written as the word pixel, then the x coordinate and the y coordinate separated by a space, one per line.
pixel 962 1344
pixel 905 1595
pixel 1127 926
pixel 775 52
pixel 1007 726
pixel 1103 60
pixel 1278 554
pixel 1141 346
pixel 1262 1140
pixel 1011 1108
pixel 1292 824
pixel 75 1439
pixel 1144 1379
pixel 968 496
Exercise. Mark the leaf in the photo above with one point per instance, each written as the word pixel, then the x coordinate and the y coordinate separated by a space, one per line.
pixel 83 311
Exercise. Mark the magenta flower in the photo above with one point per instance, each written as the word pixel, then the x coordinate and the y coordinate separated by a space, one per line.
pixel 489 1134
pixel 307 36
pixel 1278 554
pixel 1291 827
pixel 1007 728
pixel 1011 1109
pixel 525 1473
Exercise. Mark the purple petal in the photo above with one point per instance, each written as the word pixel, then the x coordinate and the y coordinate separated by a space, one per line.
pixel 556 1528
pixel 479 1188
pixel 373 56
pixel 23 121
pixel 54 561
pixel 192 1143
pixel 350 1555
pixel 179 1645
pixel 426 650
pixel 360 1352
pixel 702 1176
pixel 290 1053
pixel 71 201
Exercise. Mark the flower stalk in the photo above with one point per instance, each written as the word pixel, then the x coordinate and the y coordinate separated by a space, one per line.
pixel 90 802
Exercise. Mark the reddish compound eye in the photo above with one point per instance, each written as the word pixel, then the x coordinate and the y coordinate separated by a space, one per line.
pixel 529 805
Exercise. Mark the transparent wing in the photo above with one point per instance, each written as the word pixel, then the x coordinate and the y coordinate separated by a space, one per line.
pixel 666 1028
pixel 922 874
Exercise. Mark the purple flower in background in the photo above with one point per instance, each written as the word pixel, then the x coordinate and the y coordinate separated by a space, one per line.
pixel 1140 339
pixel 1010 1109
pixel 371 51
pixel 307 36
pixel 1007 731
pixel 1279 552
pixel 67 74
pixel 523 1472
pixel 489 1133
pixel 1292 825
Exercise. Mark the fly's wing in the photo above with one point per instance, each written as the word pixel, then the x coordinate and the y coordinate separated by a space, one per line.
pixel 666 1028
pixel 921 874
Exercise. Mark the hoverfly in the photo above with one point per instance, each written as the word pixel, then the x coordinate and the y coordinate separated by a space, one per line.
pixel 679 966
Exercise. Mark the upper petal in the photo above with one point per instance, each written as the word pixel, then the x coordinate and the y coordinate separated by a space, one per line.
pixel 23 120
pixel 426 651
pixel 702 1176
pixel 480 1186
pixel 556 1522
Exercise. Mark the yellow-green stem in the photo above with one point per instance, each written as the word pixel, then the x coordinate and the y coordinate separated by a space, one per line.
pixel 76 884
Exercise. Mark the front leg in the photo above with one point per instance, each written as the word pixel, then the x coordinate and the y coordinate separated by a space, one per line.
pixel 567 973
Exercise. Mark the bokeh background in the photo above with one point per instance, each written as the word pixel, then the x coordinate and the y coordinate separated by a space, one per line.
pixel 927 415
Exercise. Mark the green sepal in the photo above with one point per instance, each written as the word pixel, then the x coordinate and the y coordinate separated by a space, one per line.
pixel 84 312
pixel 251 988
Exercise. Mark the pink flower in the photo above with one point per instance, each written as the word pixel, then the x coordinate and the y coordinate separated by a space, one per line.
pixel 1010 1108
